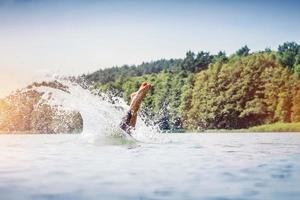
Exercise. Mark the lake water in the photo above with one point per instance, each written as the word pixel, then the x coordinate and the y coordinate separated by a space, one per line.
pixel 179 166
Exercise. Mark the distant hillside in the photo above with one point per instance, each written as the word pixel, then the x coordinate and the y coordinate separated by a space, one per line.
pixel 112 74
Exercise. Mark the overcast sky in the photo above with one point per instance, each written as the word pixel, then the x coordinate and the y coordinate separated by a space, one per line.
pixel 73 37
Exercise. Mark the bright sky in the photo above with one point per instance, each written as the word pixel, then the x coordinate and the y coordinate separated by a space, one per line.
pixel 73 37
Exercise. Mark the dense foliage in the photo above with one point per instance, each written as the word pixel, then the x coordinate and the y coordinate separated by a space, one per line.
pixel 203 91
pixel 244 92
pixel 289 54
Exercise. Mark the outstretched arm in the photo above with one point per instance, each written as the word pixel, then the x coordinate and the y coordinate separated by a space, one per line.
pixel 129 121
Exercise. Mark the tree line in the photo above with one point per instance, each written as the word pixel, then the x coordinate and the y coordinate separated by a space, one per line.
pixel 204 91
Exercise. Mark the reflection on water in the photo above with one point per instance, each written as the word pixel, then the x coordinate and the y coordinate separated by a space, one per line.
pixel 190 166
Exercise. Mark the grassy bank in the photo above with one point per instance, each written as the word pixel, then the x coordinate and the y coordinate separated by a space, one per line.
pixel 277 127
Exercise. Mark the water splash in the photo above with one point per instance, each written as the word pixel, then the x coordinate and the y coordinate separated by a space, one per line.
pixel 101 113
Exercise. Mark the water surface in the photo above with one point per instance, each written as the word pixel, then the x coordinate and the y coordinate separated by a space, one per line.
pixel 184 166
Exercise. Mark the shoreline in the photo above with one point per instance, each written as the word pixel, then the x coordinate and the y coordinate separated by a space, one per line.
pixel 278 127
pixel 266 128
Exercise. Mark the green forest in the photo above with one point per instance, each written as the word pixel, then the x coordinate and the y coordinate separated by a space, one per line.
pixel 203 91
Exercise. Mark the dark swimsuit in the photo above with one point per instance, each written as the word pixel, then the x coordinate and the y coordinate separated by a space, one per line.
pixel 124 125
